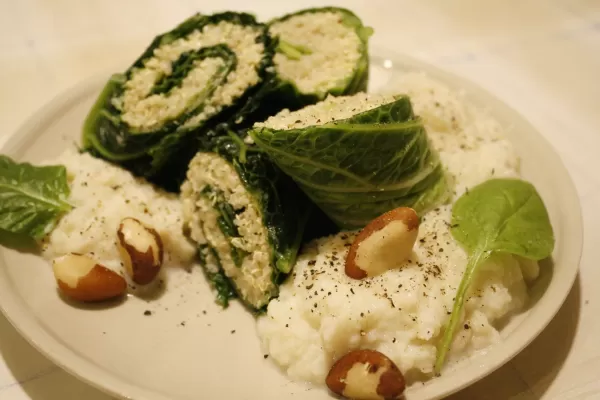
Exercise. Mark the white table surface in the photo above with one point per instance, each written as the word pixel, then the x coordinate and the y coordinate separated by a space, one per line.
pixel 542 57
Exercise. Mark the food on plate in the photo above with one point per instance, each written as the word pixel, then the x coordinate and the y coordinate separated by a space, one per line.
pixel 384 243
pixel 81 278
pixel 320 51
pixel 366 375
pixel 222 286
pixel 434 237
pixel 103 196
pixel 247 213
pixel 504 216
pixel 141 250
pixel 322 314
pixel 32 200
pixel 357 157
pixel 219 69
pixel 190 79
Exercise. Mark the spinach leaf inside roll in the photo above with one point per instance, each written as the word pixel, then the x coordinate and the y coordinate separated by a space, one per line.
pixel 357 156
pixel 188 80
pixel 320 51
pixel 213 270
pixel 238 202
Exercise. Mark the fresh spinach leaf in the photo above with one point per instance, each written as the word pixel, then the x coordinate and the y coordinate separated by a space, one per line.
pixel 499 215
pixel 32 199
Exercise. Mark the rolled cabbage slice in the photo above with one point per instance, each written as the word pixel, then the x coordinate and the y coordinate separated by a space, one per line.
pixel 244 208
pixel 357 156
pixel 188 80
pixel 320 51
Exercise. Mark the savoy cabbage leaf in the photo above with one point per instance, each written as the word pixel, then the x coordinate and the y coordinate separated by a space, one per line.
pixel 160 151
pixel 358 168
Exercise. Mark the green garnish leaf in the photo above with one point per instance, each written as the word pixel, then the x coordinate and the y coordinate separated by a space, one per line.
pixel 32 199
pixel 499 215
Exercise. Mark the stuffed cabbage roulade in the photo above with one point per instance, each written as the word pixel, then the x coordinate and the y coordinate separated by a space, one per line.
pixel 248 213
pixel 356 156
pixel 320 51
pixel 200 74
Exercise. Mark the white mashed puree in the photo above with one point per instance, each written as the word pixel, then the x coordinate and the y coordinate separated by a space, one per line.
pixel 321 314
pixel 102 196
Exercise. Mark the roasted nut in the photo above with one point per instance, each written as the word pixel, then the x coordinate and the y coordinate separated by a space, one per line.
pixel 383 244
pixel 81 278
pixel 141 249
pixel 366 375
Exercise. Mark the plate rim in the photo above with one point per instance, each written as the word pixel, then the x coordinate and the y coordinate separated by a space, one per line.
pixel 27 326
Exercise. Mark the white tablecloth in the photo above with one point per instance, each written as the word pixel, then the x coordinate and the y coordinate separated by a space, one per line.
pixel 542 57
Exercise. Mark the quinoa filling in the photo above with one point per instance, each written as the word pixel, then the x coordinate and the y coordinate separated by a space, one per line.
pixel 220 211
pixel 146 108
pixel 331 109
pixel 319 52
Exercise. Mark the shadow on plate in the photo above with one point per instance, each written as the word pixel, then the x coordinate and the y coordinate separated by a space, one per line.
pixel 148 293
pixel 535 291
pixel 535 367
pixel 153 291
pixel 20 243
pixel 101 305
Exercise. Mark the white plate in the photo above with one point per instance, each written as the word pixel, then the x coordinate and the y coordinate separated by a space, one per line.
pixel 128 354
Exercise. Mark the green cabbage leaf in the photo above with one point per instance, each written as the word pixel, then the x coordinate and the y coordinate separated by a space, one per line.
pixel 356 169
pixel 160 150
pixel 285 92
